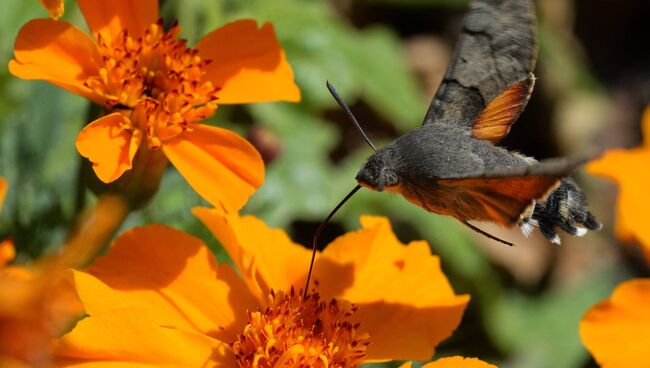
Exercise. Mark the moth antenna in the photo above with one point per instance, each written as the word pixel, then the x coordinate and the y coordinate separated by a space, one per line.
pixel 486 234
pixel 319 231
pixel 345 108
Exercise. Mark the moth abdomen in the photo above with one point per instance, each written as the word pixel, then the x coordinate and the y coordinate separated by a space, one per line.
pixel 565 208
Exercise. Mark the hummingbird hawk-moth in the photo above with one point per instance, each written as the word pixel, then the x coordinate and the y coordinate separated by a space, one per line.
pixel 452 165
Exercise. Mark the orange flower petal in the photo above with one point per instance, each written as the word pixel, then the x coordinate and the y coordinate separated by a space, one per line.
pixel 248 64
pixel 7 252
pixel 57 52
pixel 221 166
pixel 266 257
pixel 9 362
pixel 129 337
pixel 54 7
pixel 112 17
pixel 173 276
pixel 454 362
pixel 36 303
pixel 626 168
pixel 400 290
pixel 458 362
pixel 617 331
pixel 108 146
pixel 63 304
pixel 3 191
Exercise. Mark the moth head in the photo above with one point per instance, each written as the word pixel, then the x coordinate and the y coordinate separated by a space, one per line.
pixel 378 173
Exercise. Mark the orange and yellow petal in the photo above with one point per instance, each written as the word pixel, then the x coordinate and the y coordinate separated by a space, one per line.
pixel 129 337
pixel 173 276
pixel 221 166
pixel 62 301
pixel 248 64
pixel 625 167
pixel 454 362
pixel 617 331
pixel 266 257
pixel 109 146
pixel 54 7
pixel 56 52
pixel 110 18
pixel 400 290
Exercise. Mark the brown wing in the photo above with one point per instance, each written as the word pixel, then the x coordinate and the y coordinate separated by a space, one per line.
pixel 497 48
pixel 503 195
pixel 499 200
pixel 494 123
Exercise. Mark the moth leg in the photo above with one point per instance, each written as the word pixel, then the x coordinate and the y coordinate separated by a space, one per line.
pixel 565 208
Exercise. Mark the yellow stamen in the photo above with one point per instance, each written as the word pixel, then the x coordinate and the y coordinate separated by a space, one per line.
pixel 158 75
pixel 293 332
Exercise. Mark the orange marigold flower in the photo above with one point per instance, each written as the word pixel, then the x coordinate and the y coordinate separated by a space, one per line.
pixel 54 7
pixel 629 169
pixel 177 307
pixel 37 302
pixel 617 331
pixel 157 90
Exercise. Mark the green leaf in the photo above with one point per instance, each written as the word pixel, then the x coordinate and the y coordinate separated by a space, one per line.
pixel 385 82
pixel 543 331
pixel 299 183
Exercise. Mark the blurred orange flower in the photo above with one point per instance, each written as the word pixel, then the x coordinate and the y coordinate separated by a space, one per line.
pixel 374 299
pixel 454 362
pixel 3 191
pixel 36 303
pixel 157 90
pixel 617 331
pixel 54 7
pixel 630 170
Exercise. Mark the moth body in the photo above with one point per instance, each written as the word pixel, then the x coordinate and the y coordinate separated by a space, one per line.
pixel 452 165
pixel 413 165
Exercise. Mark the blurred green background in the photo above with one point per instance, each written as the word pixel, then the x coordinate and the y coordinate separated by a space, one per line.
pixel 386 58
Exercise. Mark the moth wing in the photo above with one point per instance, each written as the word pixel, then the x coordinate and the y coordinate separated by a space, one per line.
pixel 496 49
pixel 503 196
pixel 499 200
pixel 494 122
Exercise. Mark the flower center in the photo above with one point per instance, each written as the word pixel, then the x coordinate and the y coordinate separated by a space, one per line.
pixel 157 77
pixel 293 332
